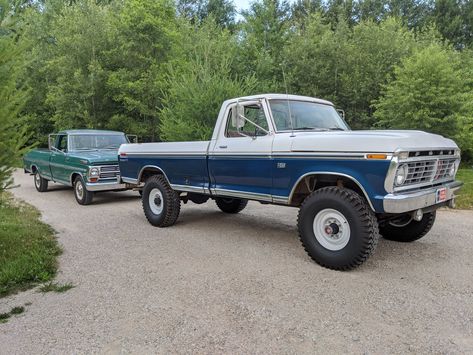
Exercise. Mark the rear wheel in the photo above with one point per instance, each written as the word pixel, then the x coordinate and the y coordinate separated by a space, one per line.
pixel 337 228
pixel 83 196
pixel 161 204
pixel 40 183
pixel 231 205
pixel 406 230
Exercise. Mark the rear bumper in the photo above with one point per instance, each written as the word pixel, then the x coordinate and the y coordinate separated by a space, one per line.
pixel 105 186
pixel 406 202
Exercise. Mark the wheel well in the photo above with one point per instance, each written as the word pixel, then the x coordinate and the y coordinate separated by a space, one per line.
pixel 149 171
pixel 73 177
pixel 310 183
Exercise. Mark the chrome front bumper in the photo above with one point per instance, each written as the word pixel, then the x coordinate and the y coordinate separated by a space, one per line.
pixel 105 186
pixel 406 202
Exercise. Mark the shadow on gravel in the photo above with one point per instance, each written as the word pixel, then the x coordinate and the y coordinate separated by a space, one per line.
pixel 244 226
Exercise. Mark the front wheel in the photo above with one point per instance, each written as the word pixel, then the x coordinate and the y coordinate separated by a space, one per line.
pixel 83 196
pixel 40 183
pixel 406 230
pixel 161 204
pixel 231 205
pixel 337 228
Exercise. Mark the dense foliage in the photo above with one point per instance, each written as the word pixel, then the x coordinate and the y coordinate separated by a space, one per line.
pixel 161 68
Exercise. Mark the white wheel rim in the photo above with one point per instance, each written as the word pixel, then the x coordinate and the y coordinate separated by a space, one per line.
pixel 37 179
pixel 156 202
pixel 79 190
pixel 331 229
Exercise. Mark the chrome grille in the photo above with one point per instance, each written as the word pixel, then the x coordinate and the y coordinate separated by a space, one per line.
pixel 109 171
pixel 427 172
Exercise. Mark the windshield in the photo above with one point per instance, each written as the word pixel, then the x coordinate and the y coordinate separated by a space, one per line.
pixel 94 142
pixel 306 116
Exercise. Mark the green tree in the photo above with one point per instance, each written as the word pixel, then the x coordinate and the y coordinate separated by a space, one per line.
pixel 347 65
pixel 12 136
pixel 429 93
pixel 265 33
pixel 199 83
pixel 77 92
pixel 143 36
pixel 222 11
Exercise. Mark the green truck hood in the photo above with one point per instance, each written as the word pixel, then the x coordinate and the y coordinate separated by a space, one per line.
pixel 97 157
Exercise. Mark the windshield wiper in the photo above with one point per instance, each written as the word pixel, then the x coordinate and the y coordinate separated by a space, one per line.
pixel 336 129
pixel 309 129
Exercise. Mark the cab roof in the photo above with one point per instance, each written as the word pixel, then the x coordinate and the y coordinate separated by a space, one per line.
pixel 281 97
pixel 90 131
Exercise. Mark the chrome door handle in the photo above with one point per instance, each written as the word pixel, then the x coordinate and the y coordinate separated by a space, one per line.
pixel 222 146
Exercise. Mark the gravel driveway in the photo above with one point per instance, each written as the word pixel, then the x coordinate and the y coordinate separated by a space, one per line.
pixel 218 283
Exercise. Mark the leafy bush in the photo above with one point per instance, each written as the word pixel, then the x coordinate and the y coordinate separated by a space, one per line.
pixel 429 92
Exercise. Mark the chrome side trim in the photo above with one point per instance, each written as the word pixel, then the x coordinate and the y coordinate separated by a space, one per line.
pixel 242 194
pixel 188 188
pixel 280 199
pixel 129 180
pixel 164 154
pixel 152 167
pixel 70 183
pixel 406 202
pixel 330 173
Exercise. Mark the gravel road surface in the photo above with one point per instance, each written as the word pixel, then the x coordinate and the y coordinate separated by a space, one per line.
pixel 217 283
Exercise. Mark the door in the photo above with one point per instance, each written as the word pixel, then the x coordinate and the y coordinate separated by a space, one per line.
pixel 58 159
pixel 240 161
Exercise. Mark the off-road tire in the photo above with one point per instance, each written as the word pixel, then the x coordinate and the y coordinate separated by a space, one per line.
pixel 231 205
pixel 40 183
pixel 364 233
pixel 411 232
pixel 87 196
pixel 171 202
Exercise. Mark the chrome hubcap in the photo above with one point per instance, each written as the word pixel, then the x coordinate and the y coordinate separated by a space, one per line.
pixel 155 200
pixel 331 229
pixel 79 191
pixel 37 179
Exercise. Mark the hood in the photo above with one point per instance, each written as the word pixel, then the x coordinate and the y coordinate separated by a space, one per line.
pixel 385 141
pixel 95 157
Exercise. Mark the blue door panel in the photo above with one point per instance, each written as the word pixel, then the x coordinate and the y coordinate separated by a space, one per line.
pixel 243 173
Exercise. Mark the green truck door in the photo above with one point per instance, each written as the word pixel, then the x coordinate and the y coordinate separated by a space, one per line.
pixel 58 160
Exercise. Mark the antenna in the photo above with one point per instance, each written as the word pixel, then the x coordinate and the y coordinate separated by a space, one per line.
pixel 287 98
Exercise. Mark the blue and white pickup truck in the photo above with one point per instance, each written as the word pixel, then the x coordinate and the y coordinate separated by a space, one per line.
pixel 349 186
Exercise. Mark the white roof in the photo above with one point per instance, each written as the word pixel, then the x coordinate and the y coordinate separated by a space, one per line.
pixel 280 97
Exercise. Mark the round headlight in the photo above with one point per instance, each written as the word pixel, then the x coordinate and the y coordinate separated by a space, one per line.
pixel 94 172
pixel 453 169
pixel 401 175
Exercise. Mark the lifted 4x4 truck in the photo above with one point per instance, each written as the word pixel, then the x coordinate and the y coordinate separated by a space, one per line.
pixel 349 186
pixel 84 159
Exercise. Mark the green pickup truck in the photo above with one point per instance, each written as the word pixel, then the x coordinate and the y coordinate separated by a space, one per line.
pixel 87 160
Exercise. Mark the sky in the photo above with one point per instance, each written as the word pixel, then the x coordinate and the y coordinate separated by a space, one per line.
pixel 242 4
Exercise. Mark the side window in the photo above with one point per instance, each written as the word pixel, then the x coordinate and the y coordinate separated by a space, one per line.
pixel 254 113
pixel 62 143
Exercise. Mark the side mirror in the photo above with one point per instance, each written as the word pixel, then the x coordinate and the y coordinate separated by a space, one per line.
pixel 341 113
pixel 132 138
pixel 238 112
pixel 51 141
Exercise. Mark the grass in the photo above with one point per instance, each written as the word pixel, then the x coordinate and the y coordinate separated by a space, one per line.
pixel 28 247
pixel 56 287
pixel 465 195
pixel 14 311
